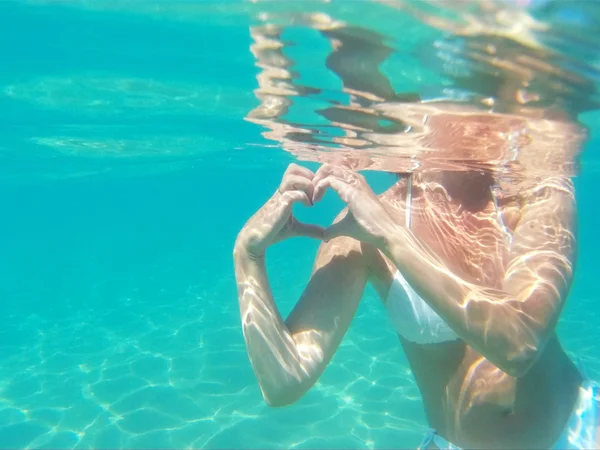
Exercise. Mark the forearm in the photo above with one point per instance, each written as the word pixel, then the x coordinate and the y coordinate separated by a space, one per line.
pixel 478 314
pixel 271 347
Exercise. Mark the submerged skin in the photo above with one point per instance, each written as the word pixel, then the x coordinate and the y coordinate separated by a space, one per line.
pixel 506 383
pixel 522 399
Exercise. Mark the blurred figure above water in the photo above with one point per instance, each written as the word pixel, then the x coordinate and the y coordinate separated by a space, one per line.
pixel 504 92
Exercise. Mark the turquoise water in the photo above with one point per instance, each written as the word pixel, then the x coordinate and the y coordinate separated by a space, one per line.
pixel 126 171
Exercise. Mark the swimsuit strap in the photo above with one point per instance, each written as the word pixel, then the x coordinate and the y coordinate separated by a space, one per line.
pixel 408 200
pixel 493 190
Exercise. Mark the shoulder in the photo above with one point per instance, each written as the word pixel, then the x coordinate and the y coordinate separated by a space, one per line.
pixel 552 199
pixel 557 187
pixel 547 227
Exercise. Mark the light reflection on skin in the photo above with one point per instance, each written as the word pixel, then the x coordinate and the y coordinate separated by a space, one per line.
pixel 497 272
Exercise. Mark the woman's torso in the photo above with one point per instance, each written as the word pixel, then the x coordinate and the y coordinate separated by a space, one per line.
pixel 467 399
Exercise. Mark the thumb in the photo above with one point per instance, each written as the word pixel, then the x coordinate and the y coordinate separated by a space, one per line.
pixel 308 230
pixel 343 227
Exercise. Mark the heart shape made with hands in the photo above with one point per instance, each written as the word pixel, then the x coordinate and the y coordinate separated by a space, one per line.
pixel 364 215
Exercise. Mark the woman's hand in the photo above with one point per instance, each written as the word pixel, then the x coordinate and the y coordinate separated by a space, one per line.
pixel 367 220
pixel 274 222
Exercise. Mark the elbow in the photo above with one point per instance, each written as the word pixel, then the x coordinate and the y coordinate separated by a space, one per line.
pixel 277 402
pixel 284 394
pixel 281 398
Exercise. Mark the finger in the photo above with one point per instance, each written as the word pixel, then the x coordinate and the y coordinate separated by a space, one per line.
pixel 291 197
pixel 297 183
pixel 295 169
pixel 308 230
pixel 326 170
pixel 340 186
pixel 344 227
pixel 348 175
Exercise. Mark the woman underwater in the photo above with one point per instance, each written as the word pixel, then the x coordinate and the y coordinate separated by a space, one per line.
pixel 473 277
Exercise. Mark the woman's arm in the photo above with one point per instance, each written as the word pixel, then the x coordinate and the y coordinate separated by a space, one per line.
pixel 289 355
pixel 508 326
